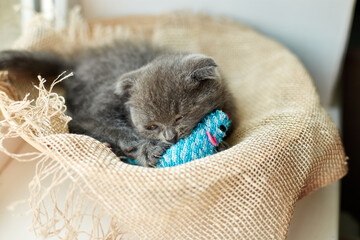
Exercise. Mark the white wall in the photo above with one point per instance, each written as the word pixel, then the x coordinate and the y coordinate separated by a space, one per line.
pixel 315 30
pixel 9 23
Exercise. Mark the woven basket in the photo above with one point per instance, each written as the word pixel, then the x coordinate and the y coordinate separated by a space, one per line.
pixel 284 145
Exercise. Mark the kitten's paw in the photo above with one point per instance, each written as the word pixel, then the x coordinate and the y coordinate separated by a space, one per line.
pixel 147 152
pixel 222 147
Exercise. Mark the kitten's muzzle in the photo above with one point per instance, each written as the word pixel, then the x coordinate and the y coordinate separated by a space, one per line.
pixel 172 141
pixel 170 136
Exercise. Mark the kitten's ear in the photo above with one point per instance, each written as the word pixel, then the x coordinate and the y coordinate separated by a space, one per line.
pixel 203 68
pixel 124 84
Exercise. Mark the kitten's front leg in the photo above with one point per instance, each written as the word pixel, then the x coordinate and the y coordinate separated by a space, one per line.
pixel 145 151
pixel 122 139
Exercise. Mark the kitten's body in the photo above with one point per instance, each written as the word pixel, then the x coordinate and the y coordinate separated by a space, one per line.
pixel 97 110
pixel 135 97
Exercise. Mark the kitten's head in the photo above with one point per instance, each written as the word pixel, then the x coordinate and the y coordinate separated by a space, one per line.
pixel 170 95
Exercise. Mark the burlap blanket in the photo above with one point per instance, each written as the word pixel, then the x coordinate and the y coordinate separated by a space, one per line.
pixel 283 147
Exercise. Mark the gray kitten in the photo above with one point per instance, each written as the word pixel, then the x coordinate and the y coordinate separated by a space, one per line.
pixel 136 97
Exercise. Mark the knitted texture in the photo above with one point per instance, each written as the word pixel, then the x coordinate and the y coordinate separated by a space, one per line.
pixel 283 144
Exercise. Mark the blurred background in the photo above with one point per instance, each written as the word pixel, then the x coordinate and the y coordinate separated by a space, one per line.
pixel 324 34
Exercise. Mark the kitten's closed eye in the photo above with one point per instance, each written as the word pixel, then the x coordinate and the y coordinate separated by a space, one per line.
pixel 178 119
pixel 152 127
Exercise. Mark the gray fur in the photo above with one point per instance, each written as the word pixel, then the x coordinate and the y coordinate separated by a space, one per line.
pixel 136 97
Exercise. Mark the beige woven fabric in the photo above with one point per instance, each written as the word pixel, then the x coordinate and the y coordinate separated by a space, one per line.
pixel 284 145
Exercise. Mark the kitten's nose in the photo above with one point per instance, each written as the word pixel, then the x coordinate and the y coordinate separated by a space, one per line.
pixel 170 136
pixel 173 141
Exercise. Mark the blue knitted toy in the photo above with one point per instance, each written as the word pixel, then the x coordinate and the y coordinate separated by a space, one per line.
pixel 202 141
